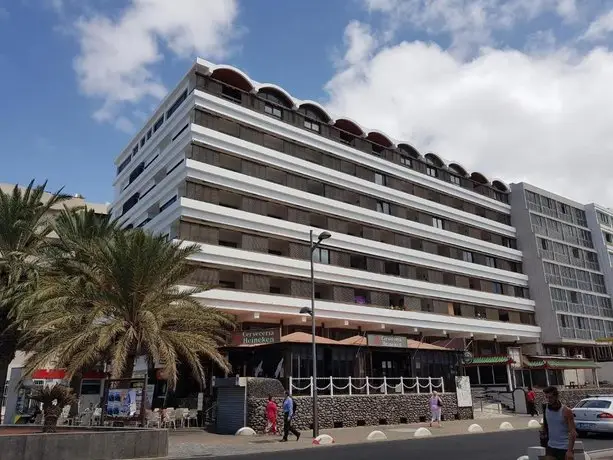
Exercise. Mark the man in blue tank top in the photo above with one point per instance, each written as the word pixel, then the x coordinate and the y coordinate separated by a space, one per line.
pixel 558 427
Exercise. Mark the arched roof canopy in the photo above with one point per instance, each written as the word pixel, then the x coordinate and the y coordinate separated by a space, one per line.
pixel 500 186
pixel 457 169
pixel 379 138
pixel 314 111
pixel 349 126
pixel 276 95
pixel 410 150
pixel 434 159
pixel 232 77
pixel 479 178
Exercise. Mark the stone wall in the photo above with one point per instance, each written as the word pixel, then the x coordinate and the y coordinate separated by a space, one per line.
pixel 357 410
pixel 572 397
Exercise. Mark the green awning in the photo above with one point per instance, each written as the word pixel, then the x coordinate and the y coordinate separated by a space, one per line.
pixel 562 364
pixel 490 360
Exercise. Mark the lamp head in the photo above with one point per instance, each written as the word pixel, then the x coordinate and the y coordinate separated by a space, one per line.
pixel 305 311
pixel 324 236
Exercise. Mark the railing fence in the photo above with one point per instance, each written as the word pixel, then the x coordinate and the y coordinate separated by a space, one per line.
pixel 331 386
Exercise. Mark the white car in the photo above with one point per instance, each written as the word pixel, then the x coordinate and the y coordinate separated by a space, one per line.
pixel 594 415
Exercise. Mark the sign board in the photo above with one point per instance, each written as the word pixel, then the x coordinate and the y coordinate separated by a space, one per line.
pixel 462 389
pixel 467 358
pixel 515 354
pixel 256 337
pixel 392 341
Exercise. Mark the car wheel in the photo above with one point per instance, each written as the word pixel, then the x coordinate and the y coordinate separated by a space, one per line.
pixel 581 434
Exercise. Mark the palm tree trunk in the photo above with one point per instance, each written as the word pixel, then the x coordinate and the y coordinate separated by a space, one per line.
pixel 52 413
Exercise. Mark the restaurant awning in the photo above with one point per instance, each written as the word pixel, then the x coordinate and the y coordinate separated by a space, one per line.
pixel 362 341
pixel 561 364
pixel 490 361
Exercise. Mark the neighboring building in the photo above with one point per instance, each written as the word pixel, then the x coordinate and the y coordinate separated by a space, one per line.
pixel 419 248
pixel 569 270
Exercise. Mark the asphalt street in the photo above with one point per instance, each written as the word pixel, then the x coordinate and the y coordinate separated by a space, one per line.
pixel 486 446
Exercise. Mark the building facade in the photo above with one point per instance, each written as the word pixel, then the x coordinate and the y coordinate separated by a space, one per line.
pixel 566 260
pixel 419 248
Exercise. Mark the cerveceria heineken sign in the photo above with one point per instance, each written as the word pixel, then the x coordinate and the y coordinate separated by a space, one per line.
pixel 380 340
pixel 256 337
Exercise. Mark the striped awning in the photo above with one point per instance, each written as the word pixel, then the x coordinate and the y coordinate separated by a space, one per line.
pixel 490 361
pixel 561 364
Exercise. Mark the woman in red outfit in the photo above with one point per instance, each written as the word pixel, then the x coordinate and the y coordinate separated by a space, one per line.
pixel 271 416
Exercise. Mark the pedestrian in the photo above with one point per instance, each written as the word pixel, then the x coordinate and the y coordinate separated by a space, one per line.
pixel 436 406
pixel 271 416
pixel 531 402
pixel 558 433
pixel 289 409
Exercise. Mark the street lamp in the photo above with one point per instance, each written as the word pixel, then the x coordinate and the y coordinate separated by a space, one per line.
pixel 311 311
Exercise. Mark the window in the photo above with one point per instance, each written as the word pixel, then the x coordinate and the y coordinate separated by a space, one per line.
pixel 176 104
pixel 274 290
pixel 404 161
pixel 480 312
pixel 467 256
pixel 228 244
pixel 455 180
pixel 392 268
pixel 519 291
pixel 574 298
pixel 563 208
pixel 609 238
pixel 457 309
pixel 135 150
pixel 149 134
pixel 361 297
pixel 377 149
pixel 384 207
pixel 575 253
pixel 321 256
pixel 525 318
pixel 380 179
pixel 311 125
pixel 544 244
pixel 227 284
pixel 142 141
pixel 497 287
pixel 345 137
pixel 158 124
pixel 506 242
pixel 230 93
pixel 564 321
pixel 438 223
pixel 490 261
pixel 431 171
pixel 273 110
pixel 503 316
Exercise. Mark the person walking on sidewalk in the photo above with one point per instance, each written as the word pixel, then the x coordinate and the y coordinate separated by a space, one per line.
pixel 271 416
pixel 531 402
pixel 558 434
pixel 289 408
pixel 436 406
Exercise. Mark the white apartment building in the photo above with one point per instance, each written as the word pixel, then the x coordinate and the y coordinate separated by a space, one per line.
pixel 419 247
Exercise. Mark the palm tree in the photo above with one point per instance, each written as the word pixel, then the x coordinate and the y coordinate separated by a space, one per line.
pixel 24 228
pixel 119 297
pixel 54 399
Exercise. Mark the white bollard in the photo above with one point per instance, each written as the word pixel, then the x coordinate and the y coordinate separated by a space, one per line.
pixel 376 436
pixel 534 453
pixel 474 428
pixel 505 426
pixel 422 433
pixel 323 439
pixel 523 457
pixel 534 424
pixel 245 431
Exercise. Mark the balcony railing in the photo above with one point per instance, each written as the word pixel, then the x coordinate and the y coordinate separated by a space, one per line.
pixel 366 385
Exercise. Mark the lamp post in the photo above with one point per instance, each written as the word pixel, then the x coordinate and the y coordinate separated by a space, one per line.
pixel 311 311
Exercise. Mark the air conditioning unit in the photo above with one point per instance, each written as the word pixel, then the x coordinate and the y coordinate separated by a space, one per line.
pixel 579 356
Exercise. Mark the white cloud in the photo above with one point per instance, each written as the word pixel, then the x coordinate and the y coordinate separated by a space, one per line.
pixel 600 27
pixel 468 23
pixel 544 118
pixel 118 53
pixel 359 43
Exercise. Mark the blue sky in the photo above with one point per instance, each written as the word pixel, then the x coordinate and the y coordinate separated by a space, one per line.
pixel 514 89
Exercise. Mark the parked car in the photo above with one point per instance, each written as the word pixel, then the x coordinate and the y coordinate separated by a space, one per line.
pixel 594 414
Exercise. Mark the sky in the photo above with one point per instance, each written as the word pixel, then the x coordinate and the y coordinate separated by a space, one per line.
pixel 519 90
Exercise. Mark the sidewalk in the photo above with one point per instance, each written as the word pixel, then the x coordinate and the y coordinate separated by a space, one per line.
pixel 184 444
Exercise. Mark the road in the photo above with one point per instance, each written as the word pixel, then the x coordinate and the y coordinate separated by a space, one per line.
pixel 486 446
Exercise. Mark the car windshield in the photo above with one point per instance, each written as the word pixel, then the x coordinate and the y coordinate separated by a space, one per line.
pixel 594 404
